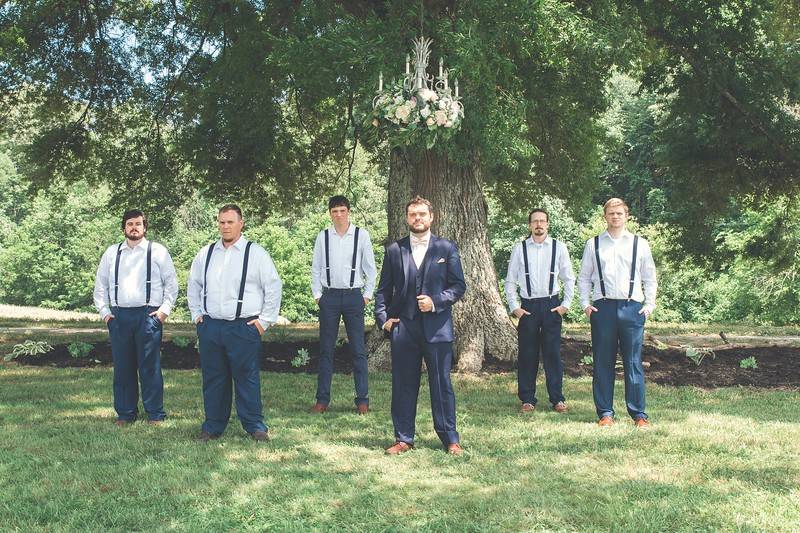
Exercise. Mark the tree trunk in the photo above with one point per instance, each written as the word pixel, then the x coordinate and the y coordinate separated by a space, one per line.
pixel 480 320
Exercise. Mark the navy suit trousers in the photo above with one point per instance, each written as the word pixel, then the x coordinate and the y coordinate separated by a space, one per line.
pixel 230 350
pixel 136 347
pixel 409 347
pixel 334 305
pixel 539 333
pixel 618 326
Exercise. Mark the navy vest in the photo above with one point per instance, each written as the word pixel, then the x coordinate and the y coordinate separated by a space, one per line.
pixel 410 308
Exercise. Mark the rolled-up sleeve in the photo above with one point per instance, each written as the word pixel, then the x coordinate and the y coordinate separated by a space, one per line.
pixel 272 288
pixel 512 274
pixel 101 288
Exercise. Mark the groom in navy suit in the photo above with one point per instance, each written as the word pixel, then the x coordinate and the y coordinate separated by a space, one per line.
pixel 421 279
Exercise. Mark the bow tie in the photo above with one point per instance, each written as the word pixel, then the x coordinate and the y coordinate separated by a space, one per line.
pixel 416 241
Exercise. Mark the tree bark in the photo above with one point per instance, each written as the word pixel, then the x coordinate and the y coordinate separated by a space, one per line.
pixel 480 319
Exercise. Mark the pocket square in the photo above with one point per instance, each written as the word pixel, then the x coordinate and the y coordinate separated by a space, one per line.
pixel 441 260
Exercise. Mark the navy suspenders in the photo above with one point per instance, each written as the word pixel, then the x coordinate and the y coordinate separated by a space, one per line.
pixel 552 268
pixel 600 269
pixel 149 272
pixel 633 265
pixel 244 279
pixel 116 274
pixel 353 264
pixel 328 258
pixel 147 282
pixel 242 283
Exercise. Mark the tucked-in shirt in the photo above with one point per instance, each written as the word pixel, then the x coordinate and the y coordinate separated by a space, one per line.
pixel 132 289
pixel 539 258
pixel 615 260
pixel 419 247
pixel 341 257
pixel 262 289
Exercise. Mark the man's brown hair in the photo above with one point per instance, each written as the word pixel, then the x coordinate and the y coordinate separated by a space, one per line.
pixel 419 200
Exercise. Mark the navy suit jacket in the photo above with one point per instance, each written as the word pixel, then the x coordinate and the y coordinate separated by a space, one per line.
pixel 442 280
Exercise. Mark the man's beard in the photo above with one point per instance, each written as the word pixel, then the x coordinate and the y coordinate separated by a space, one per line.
pixel 137 238
pixel 424 230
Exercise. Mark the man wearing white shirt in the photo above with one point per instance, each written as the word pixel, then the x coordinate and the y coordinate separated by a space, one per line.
pixel 535 266
pixel 617 285
pixel 234 295
pixel 342 266
pixel 134 291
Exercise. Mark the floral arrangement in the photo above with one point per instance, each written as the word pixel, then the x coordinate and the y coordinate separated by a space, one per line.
pixel 419 117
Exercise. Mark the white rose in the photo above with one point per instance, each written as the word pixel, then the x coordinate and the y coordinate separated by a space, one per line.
pixel 442 105
pixel 425 111
pixel 430 121
pixel 441 117
pixel 427 95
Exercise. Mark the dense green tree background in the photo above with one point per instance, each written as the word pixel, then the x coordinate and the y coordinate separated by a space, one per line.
pixel 690 111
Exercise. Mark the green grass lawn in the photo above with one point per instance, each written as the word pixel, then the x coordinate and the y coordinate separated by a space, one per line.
pixel 714 460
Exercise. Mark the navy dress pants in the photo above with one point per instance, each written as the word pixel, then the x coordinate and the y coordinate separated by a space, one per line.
pixel 136 347
pixel 540 333
pixel 618 326
pixel 409 347
pixel 230 351
pixel 334 305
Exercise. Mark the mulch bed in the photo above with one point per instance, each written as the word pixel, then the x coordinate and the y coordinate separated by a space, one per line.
pixel 778 366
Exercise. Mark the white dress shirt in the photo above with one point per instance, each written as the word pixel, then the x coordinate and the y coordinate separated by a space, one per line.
pixel 419 247
pixel 539 257
pixel 341 256
pixel 615 260
pixel 262 290
pixel 132 288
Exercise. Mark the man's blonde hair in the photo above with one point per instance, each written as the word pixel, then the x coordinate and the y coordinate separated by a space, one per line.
pixel 615 202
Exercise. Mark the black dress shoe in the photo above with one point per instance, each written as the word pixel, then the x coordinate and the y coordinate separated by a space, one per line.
pixel 205 436
pixel 260 436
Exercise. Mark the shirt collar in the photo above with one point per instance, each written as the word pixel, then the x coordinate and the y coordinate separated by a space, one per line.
pixel 625 235
pixel 351 229
pixel 426 235
pixel 239 245
pixel 546 242
pixel 142 244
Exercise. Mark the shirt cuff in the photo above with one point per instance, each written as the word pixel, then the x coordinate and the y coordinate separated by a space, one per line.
pixel 649 308
pixel 567 303
pixel 264 323
pixel 104 312
pixel 165 308
pixel 367 295
pixel 317 295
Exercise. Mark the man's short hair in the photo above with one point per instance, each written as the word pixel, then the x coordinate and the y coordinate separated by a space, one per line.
pixel 419 200
pixel 338 201
pixel 615 202
pixel 538 210
pixel 133 213
pixel 231 207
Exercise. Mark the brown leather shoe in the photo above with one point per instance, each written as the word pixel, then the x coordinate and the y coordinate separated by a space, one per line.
pixel 398 448
pixel 605 422
pixel 205 436
pixel 319 408
pixel 642 423
pixel 527 408
pixel 123 423
pixel 260 436
pixel 560 407
pixel 363 408
pixel 455 449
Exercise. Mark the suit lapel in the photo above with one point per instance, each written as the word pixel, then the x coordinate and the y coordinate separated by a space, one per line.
pixel 405 257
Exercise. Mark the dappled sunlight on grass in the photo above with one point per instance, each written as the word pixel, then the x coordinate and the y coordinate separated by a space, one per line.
pixel 712 460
